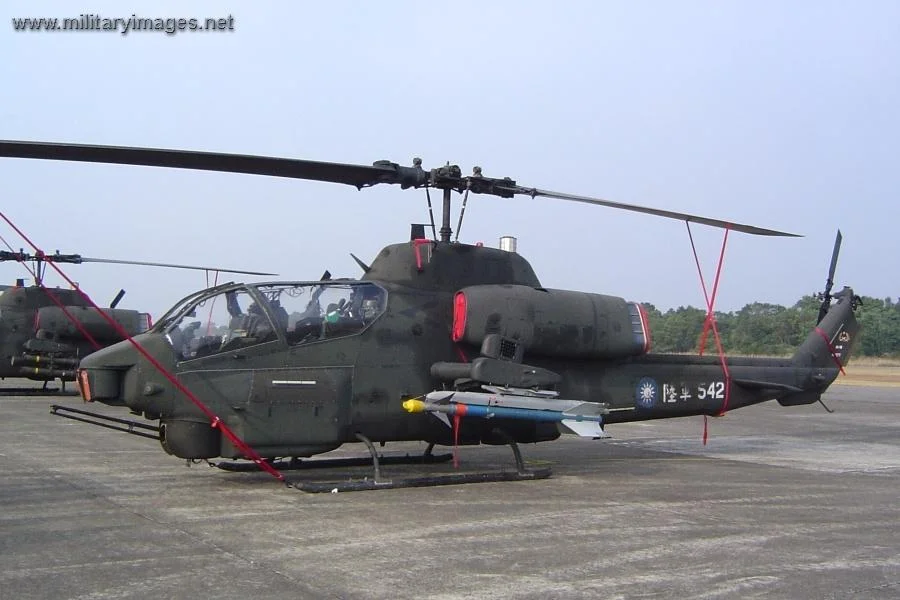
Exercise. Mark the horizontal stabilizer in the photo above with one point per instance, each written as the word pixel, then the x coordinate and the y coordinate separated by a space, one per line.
pixel 753 384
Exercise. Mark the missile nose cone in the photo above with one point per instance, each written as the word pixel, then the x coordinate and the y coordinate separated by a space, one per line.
pixel 414 406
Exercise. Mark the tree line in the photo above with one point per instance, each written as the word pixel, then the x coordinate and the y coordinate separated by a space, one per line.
pixel 771 329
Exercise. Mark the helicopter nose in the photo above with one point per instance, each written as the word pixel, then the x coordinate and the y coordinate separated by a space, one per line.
pixel 118 375
pixel 101 375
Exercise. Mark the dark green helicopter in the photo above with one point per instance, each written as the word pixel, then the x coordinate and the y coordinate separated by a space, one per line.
pixel 44 332
pixel 438 341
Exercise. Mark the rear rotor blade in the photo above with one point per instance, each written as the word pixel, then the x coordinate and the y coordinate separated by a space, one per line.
pixel 651 211
pixel 829 283
pixel 155 264
pixel 834 258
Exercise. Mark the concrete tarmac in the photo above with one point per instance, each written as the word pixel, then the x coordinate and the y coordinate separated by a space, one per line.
pixel 780 503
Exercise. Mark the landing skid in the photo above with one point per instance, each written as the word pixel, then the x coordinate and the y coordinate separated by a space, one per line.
pixel 377 482
pixel 295 464
pixel 427 481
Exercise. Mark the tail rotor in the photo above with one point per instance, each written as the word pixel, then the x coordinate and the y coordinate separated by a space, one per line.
pixel 826 296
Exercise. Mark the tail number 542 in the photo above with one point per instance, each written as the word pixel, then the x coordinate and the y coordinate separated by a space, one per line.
pixel 715 390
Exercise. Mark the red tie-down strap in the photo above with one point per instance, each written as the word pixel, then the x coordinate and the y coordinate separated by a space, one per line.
pixel 417 243
pixel 710 321
pixel 215 421
pixel 831 348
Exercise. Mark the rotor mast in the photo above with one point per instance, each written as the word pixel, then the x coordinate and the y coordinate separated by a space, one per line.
pixel 39 260
pixel 449 178
pixel 446 231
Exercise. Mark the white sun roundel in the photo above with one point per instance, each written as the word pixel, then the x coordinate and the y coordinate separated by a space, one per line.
pixel 646 392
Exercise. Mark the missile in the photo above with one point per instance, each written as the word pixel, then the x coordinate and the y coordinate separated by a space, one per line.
pixel 39 372
pixel 578 417
pixel 36 360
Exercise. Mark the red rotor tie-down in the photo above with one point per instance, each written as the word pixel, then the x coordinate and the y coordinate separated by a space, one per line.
pixel 416 243
pixel 710 321
pixel 832 350
pixel 214 419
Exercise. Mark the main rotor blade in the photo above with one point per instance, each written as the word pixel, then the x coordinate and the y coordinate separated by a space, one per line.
pixel 752 229
pixel 359 176
pixel 356 175
pixel 154 264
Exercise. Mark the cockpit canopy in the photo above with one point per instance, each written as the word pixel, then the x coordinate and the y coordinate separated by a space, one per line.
pixel 231 317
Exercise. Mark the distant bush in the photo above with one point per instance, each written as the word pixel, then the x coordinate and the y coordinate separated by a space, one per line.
pixel 771 329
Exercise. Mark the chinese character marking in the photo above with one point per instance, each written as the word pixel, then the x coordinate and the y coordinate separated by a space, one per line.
pixel 670 393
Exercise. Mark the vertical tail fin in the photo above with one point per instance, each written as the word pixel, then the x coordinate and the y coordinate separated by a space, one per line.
pixel 831 342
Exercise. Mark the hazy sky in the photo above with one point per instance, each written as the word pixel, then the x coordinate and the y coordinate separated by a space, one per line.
pixel 782 114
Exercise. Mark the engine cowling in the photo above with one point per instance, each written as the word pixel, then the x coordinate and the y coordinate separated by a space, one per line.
pixel 53 321
pixel 556 323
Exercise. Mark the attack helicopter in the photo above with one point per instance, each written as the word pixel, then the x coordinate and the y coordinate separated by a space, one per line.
pixel 438 341
pixel 45 332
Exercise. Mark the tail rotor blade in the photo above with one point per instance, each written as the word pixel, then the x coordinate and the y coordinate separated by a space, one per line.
pixel 829 282
pixel 834 258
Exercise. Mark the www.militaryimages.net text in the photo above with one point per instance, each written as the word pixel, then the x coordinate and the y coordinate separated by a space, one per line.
pixel 124 26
